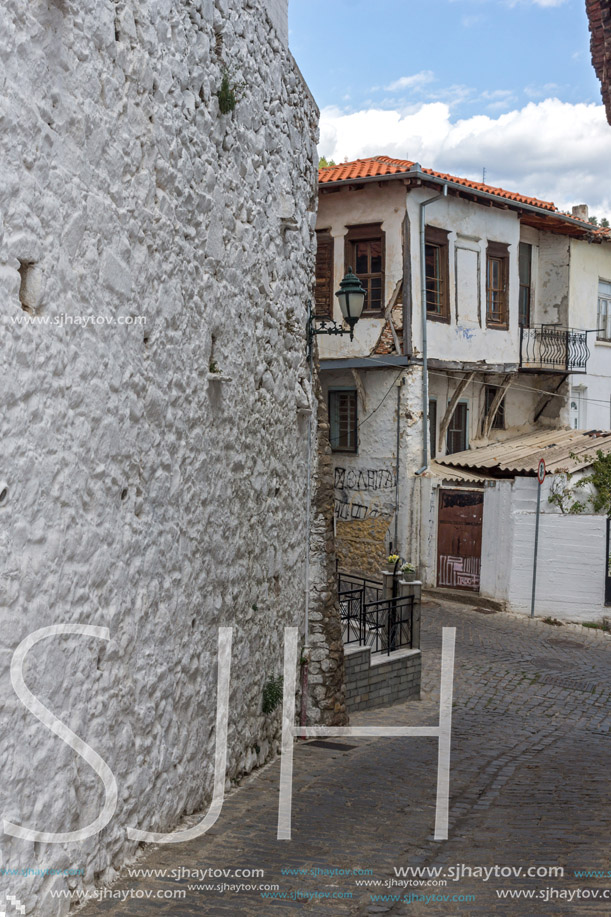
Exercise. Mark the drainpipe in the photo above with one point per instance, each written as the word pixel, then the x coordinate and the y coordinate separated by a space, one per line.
pixel 399 386
pixel 425 365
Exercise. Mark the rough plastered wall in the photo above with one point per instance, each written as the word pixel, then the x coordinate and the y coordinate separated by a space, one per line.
pixel 139 491
pixel 365 482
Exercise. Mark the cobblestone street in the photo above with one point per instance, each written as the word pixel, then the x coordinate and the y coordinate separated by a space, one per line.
pixel 529 788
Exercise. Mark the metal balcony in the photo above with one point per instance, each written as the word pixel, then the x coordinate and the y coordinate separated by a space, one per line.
pixel 553 349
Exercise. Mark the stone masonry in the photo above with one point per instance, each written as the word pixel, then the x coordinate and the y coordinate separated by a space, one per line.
pixel 156 257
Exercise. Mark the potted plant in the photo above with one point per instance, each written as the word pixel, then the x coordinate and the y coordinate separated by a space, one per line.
pixel 391 562
pixel 408 572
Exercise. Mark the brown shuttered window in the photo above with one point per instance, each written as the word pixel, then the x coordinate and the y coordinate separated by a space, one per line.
pixel 324 274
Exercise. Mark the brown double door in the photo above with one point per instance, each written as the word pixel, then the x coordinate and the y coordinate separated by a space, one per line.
pixel 459 539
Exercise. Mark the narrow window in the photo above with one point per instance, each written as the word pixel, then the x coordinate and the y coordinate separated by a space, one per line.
pixel 497 264
pixel 343 420
pixel 457 431
pixel 436 274
pixel 525 269
pixel 324 274
pixel 433 427
pixel 499 418
pixel 364 253
pixel 604 311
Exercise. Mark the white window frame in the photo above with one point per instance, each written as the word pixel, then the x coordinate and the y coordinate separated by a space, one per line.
pixel 603 311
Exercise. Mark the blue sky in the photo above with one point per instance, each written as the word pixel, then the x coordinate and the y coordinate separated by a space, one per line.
pixel 459 85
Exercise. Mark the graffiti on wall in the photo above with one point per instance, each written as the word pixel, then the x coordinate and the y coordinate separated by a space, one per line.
pixel 364 493
pixel 353 509
pixel 459 572
pixel 365 479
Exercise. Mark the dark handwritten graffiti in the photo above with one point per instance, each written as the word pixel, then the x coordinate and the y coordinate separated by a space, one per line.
pixel 364 479
pixel 348 511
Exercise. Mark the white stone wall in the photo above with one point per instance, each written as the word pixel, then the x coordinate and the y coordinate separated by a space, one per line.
pixel 571 559
pixel 143 493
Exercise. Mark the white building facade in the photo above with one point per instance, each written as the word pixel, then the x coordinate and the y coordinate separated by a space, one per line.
pixel 512 303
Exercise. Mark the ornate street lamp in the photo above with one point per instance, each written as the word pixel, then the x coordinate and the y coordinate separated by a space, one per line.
pixel 351 296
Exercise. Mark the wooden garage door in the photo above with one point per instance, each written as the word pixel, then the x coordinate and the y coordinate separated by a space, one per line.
pixel 459 539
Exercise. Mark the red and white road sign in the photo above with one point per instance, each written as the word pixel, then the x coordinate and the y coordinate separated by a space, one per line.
pixel 541 471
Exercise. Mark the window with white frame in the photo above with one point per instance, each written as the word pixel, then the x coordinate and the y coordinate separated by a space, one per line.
pixel 604 311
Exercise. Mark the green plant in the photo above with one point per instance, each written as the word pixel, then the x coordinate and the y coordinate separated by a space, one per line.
pixel 213 367
pixel 407 568
pixel 563 489
pixel 600 479
pixel 323 162
pixel 393 558
pixel 272 694
pixel 228 93
pixel 552 621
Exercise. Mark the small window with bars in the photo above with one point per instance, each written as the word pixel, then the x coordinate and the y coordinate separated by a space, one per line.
pixel 436 274
pixel 603 323
pixel 343 420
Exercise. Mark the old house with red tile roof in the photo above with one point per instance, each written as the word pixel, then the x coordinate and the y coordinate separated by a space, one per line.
pixel 479 325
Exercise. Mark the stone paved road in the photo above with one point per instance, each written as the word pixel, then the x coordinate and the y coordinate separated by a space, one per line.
pixel 529 788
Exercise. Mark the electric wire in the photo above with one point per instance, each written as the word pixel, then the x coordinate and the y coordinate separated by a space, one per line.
pixel 433 372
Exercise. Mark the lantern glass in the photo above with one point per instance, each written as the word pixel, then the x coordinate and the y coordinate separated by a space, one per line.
pixel 351 304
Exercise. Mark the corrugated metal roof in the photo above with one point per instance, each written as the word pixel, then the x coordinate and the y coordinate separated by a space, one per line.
pixel 457 474
pixel 522 454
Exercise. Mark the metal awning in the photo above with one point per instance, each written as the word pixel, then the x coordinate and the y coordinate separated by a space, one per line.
pixel 562 450
pixel 459 475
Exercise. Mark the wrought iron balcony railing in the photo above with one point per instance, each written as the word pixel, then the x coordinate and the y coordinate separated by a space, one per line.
pixel 551 348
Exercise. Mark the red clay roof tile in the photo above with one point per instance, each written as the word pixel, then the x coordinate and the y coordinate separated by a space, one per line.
pixel 384 165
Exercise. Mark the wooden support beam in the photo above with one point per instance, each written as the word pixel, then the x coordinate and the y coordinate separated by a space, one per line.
pixel 447 417
pixel 388 313
pixel 545 399
pixel 489 418
pixel 360 388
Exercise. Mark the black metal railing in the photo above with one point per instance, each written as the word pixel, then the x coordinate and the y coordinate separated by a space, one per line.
pixel 372 589
pixel 385 625
pixel 551 348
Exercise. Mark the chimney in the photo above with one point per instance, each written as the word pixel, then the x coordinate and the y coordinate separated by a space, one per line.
pixel 580 211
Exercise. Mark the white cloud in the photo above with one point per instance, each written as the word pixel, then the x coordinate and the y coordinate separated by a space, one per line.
pixel 552 150
pixel 415 81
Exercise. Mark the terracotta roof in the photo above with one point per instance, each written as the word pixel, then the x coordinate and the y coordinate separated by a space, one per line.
pixel 599 15
pixel 562 450
pixel 374 166
pixel 384 165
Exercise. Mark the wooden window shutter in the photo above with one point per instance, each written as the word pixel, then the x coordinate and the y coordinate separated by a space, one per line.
pixel 324 274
